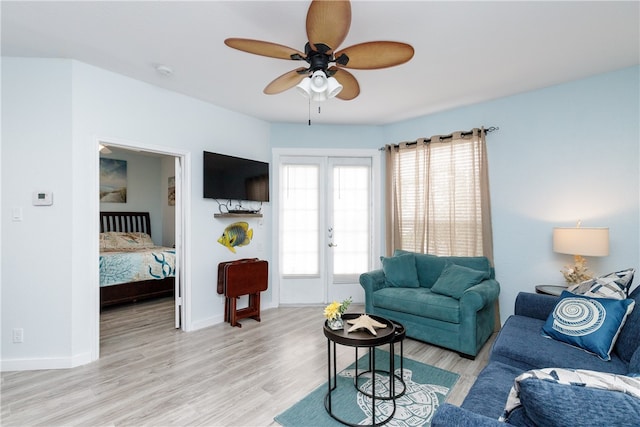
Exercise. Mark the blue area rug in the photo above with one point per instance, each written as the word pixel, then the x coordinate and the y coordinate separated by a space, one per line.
pixel 426 388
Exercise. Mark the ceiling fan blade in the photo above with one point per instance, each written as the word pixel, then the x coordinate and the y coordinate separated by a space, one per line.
pixel 350 86
pixel 374 55
pixel 328 23
pixel 285 81
pixel 258 47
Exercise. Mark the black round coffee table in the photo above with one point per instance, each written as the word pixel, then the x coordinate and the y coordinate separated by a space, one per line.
pixel 362 339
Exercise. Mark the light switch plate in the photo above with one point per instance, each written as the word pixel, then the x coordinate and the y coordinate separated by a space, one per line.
pixel 16 214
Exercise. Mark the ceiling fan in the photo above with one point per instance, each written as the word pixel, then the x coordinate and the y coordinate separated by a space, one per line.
pixel 325 76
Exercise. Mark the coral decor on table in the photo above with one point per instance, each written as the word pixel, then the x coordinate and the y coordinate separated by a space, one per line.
pixel 577 273
pixel 334 311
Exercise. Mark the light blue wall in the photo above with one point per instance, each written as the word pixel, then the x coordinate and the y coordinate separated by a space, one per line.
pixel 325 136
pixel 36 148
pixel 563 153
pixel 54 113
pixel 115 107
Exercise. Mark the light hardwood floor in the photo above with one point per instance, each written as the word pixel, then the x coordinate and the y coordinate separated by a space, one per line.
pixel 152 374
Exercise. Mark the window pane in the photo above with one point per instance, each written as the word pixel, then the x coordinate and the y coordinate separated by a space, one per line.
pixel 299 215
pixel 351 216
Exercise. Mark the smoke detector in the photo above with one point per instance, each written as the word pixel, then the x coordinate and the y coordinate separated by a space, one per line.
pixel 164 70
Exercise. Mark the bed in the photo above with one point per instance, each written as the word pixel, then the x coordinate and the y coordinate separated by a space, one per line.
pixel 132 268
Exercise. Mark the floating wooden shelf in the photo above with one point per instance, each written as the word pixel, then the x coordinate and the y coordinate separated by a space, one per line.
pixel 237 215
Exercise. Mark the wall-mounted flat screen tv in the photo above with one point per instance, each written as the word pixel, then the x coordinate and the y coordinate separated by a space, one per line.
pixel 235 178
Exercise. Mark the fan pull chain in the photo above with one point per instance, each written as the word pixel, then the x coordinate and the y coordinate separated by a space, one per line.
pixel 310 111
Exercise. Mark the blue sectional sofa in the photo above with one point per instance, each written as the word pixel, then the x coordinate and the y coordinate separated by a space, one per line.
pixel 446 301
pixel 520 347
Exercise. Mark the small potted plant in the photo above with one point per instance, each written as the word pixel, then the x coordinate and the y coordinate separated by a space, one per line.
pixel 334 311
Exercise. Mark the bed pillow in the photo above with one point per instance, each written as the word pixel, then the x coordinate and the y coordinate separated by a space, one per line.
pixel 455 279
pixel 592 324
pixel 400 271
pixel 123 240
pixel 613 285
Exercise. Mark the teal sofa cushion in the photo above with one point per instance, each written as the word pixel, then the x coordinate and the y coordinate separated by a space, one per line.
pixel 400 271
pixel 419 302
pixel 455 279
pixel 429 267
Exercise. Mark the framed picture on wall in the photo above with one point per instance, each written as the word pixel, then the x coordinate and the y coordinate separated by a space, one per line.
pixel 113 181
pixel 172 191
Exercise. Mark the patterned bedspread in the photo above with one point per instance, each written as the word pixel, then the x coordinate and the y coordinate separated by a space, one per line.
pixel 133 266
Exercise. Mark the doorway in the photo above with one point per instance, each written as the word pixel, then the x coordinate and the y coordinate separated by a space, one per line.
pixel 176 165
pixel 326 226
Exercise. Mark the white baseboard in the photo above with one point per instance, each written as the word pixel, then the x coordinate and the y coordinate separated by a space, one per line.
pixel 205 323
pixel 269 305
pixel 215 320
pixel 45 363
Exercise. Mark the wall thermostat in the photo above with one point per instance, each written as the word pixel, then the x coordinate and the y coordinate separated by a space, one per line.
pixel 42 198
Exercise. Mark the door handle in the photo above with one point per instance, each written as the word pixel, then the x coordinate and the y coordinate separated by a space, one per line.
pixel 332 245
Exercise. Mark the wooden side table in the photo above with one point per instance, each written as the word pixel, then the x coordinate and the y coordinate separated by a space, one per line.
pixel 555 290
pixel 242 277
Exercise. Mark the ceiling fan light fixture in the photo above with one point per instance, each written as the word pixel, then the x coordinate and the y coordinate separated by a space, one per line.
pixel 318 87
pixel 333 87
pixel 319 81
pixel 319 96
pixel 304 87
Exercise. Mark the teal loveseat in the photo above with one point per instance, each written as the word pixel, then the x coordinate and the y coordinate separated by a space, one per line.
pixel 446 301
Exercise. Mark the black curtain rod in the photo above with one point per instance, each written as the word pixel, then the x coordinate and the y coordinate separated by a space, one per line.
pixel 427 140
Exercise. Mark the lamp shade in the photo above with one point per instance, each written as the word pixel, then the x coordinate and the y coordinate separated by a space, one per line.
pixel 304 87
pixel 319 82
pixel 333 87
pixel 581 241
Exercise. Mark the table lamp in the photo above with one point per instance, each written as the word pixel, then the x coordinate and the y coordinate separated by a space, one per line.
pixel 580 242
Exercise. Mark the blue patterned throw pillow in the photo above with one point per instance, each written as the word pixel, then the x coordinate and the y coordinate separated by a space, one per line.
pixel 614 285
pixel 592 324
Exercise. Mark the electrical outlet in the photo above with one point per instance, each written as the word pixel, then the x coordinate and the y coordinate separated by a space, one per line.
pixel 18 335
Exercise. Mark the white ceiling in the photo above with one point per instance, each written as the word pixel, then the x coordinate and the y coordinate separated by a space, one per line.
pixel 465 52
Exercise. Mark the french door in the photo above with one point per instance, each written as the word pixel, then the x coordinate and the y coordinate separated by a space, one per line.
pixel 325 227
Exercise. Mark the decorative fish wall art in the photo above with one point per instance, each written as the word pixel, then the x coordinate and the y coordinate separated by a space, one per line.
pixel 237 234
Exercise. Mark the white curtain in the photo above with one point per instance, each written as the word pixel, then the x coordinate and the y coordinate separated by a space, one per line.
pixel 437 193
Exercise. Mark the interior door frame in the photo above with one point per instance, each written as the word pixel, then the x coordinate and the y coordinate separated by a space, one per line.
pixel 377 194
pixel 183 234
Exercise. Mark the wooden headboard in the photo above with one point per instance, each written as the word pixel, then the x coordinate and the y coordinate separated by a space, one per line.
pixel 137 222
